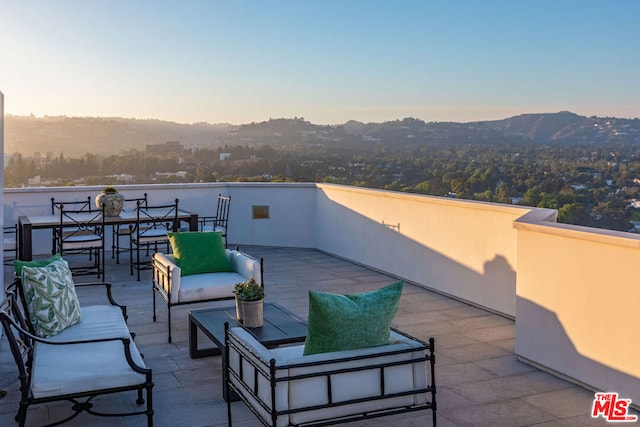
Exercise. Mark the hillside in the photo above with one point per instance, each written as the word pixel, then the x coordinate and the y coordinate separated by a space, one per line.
pixel 75 136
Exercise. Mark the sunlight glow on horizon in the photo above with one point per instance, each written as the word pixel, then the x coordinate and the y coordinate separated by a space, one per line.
pixel 330 62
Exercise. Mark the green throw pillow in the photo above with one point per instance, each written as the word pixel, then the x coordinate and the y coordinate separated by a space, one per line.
pixel 346 322
pixel 199 252
pixel 51 298
pixel 17 264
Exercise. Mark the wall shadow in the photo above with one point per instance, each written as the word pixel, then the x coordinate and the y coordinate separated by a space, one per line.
pixel 541 338
pixel 375 244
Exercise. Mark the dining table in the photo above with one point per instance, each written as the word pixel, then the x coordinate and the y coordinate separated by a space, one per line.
pixel 28 223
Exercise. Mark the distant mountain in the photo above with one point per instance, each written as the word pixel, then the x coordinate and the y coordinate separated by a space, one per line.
pixel 75 136
pixel 543 128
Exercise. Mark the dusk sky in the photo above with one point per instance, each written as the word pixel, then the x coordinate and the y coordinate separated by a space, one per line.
pixel 328 61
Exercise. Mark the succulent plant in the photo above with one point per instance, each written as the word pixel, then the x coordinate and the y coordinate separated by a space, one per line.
pixel 249 290
pixel 109 190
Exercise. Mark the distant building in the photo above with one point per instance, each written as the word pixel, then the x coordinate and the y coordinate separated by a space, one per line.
pixel 168 148
pixel 179 174
pixel 123 177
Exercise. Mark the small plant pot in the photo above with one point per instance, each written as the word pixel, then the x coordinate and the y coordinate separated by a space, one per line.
pixel 238 309
pixel 252 313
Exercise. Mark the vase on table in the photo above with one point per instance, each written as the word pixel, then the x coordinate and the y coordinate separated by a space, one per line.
pixel 112 200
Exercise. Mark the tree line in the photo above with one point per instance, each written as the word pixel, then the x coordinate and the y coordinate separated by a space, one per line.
pixel 592 185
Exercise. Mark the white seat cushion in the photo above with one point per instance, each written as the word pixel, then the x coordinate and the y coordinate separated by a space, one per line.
pixel 98 321
pixel 77 368
pixel 203 286
pixel 218 228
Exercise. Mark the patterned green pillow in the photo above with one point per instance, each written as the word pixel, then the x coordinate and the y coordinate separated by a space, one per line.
pixel 346 322
pixel 51 298
pixel 199 252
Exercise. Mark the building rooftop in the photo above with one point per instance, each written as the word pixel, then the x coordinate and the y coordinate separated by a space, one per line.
pixel 480 380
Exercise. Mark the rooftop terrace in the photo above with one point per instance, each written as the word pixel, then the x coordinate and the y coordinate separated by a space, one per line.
pixel 495 284
pixel 480 379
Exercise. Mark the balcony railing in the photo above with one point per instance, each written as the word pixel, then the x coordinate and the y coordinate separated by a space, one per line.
pixel 571 289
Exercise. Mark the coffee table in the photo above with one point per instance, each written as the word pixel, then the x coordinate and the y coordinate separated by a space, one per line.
pixel 280 327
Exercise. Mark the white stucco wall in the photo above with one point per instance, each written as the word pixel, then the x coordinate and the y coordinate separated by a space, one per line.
pixel 463 248
pixel 577 304
pixel 290 222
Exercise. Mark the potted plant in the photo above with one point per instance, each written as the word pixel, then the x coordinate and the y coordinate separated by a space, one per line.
pixel 112 200
pixel 249 303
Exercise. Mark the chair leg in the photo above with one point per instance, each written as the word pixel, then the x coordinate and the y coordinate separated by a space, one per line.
pixel 138 261
pixel 131 257
pixel 150 405
pixel 103 267
pixel 226 384
pixel 21 416
pixel 154 302
pixel 169 319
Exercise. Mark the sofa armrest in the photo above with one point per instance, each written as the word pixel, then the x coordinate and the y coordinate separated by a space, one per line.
pixel 245 265
pixel 248 370
pixel 166 276
pixel 109 294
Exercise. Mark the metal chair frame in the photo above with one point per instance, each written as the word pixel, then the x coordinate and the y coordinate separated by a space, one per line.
pixel 22 344
pixel 78 232
pixel 220 221
pixel 151 230
pixel 10 244
pixel 78 205
pixel 122 230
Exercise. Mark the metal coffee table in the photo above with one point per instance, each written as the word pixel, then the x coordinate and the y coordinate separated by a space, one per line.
pixel 280 327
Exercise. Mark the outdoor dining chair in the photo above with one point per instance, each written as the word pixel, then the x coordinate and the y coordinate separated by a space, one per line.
pixel 220 221
pixel 123 230
pixel 81 231
pixel 150 230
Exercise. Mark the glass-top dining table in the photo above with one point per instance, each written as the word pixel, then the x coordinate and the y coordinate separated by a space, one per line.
pixel 26 224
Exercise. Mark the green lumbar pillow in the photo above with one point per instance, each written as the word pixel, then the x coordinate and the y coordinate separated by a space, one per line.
pixel 346 322
pixel 199 252
pixel 18 264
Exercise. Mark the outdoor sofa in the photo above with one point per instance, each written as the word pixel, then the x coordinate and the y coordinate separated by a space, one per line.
pixel 77 362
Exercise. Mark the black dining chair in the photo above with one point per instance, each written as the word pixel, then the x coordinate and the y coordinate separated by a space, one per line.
pixel 74 205
pixel 123 230
pixel 81 231
pixel 220 221
pixel 150 230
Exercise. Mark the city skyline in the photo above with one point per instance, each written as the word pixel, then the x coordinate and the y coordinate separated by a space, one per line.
pixel 329 62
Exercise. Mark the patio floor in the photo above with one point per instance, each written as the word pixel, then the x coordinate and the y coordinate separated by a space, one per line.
pixel 479 380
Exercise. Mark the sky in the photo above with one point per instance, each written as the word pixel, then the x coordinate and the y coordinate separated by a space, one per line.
pixel 328 61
